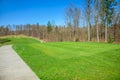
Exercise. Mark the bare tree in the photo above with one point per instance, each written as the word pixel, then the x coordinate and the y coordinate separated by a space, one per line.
pixel 69 19
pixel 97 3
pixel 76 18
pixel 72 16
pixel 88 17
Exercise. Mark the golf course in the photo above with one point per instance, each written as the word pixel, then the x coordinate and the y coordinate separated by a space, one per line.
pixel 68 60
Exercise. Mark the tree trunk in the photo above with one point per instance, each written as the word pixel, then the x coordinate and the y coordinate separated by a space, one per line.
pixel 114 32
pixel 88 32
pixel 106 33
pixel 97 29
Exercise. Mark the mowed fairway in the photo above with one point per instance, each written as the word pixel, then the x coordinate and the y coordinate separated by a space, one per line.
pixel 70 60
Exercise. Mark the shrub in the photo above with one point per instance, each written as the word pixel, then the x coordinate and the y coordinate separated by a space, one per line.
pixel 111 40
pixel 76 40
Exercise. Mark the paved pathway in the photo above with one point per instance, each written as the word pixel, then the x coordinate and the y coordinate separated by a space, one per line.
pixel 12 67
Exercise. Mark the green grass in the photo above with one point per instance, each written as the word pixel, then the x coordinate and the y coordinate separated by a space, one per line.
pixel 70 60
pixel 4 41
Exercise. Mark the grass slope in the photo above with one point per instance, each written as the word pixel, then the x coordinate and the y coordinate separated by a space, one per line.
pixel 70 60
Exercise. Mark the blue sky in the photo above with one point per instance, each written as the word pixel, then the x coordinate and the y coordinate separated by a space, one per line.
pixel 34 11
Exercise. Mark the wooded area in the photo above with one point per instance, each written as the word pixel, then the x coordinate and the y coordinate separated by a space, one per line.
pixel 98 21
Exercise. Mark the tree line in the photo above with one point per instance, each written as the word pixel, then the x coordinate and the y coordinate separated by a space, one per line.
pixel 97 21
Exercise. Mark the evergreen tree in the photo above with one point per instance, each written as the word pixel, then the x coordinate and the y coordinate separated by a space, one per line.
pixel 49 27
pixel 107 9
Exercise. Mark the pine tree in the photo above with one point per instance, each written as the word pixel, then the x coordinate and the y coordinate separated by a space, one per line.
pixel 107 9
pixel 49 27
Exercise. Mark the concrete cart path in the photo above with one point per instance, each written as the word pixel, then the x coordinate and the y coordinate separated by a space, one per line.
pixel 12 67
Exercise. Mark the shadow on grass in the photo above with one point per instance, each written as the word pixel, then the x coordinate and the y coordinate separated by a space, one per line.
pixel 3 41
